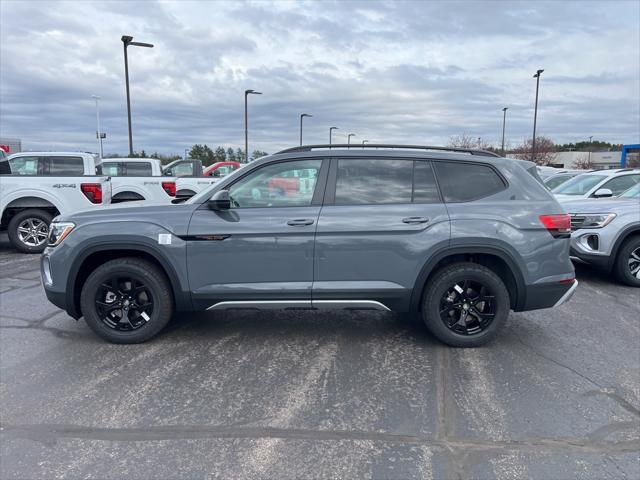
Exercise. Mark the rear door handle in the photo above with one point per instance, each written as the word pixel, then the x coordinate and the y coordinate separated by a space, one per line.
pixel 300 222
pixel 414 220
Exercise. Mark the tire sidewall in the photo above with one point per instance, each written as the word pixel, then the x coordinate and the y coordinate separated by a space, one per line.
pixel 15 222
pixel 155 281
pixel 442 282
pixel 622 267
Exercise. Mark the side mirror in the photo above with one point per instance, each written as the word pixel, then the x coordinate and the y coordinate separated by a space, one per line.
pixel 168 172
pixel 603 192
pixel 220 201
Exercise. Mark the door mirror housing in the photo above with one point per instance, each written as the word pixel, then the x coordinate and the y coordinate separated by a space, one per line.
pixel 603 192
pixel 220 201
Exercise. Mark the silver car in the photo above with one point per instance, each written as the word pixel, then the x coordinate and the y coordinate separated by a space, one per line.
pixel 606 234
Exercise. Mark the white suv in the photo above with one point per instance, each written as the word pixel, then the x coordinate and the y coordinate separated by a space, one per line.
pixel 598 184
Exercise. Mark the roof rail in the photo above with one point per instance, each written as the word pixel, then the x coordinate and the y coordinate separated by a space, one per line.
pixel 308 148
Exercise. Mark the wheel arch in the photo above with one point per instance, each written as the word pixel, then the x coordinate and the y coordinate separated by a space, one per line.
pixel 497 259
pixel 126 196
pixel 18 203
pixel 96 255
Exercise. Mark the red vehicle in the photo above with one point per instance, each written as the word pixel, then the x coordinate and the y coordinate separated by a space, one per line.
pixel 220 169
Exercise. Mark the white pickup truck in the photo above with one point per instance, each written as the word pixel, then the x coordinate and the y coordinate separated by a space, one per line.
pixel 138 179
pixel 37 186
pixel 189 185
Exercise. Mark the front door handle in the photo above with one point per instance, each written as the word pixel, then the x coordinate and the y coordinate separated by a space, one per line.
pixel 415 220
pixel 300 222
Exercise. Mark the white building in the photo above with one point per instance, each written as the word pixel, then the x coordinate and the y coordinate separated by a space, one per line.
pixel 600 160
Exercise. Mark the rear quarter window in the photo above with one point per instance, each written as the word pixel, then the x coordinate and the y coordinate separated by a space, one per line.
pixel 66 166
pixel 138 169
pixel 463 182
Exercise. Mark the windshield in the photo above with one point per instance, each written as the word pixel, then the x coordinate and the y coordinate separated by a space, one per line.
pixel 579 185
pixel 633 192
pixel 557 180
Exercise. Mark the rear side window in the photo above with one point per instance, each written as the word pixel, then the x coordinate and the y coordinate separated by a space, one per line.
pixel 367 182
pixel 463 182
pixel 425 189
pixel 65 165
pixel 138 169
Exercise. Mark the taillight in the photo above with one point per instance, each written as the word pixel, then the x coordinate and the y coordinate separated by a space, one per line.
pixel 93 191
pixel 170 188
pixel 558 225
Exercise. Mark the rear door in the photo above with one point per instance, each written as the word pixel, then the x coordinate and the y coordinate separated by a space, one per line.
pixel 262 248
pixel 380 221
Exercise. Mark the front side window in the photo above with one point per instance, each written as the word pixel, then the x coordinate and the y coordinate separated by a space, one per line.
pixel 373 181
pixel 138 169
pixel 463 182
pixel 24 165
pixel 620 184
pixel 66 166
pixel 633 192
pixel 556 180
pixel 110 169
pixel 277 185
pixel 182 169
pixel 579 185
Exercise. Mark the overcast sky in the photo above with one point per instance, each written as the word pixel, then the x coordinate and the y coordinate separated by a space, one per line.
pixel 405 72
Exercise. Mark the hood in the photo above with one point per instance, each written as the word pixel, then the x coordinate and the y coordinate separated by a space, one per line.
pixel 595 205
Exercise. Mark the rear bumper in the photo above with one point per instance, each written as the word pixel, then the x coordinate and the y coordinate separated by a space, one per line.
pixel 548 295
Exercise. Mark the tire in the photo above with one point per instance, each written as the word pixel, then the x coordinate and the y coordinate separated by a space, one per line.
pixel 442 299
pixel 625 263
pixel 24 225
pixel 142 323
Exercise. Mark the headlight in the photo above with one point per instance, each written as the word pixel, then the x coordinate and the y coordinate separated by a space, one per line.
pixel 592 220
pixel 58 232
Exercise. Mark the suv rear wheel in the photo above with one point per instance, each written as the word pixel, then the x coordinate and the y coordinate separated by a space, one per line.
pixel 627 265
pixel 465 305
pixel 127 300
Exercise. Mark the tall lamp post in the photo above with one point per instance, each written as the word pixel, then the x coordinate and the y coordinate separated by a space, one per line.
pixel 363 142
pixel 535 115
pixel 349 138
pixel 98 130
pixel 331 129
pixel 301 117
pixel 590 147
pixel 246 123
pixel 504 122
pixel 126 41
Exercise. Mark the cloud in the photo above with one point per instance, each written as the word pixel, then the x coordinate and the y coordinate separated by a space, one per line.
pixel 414 72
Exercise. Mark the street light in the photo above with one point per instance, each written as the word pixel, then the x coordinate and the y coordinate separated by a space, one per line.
pixel 349 138
pixel 126 41
pixel 504 122
pixel 535 116
pixel 590 148
pixel 98 132
pixel 331 129
pixel 246 123
pixel 363 142
pixel 301 117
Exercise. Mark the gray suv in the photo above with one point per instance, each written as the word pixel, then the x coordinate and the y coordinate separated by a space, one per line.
pixel 456 237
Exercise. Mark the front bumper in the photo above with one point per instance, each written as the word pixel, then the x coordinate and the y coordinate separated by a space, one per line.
pixel 591 246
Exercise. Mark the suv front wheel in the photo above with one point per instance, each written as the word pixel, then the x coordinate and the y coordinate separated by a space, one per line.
pixel 127 300
pixel 465 305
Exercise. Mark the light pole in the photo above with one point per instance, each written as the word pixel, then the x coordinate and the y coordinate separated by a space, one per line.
pixel 98 132
pixel 504 122
pixel 301 117
pixel 349 138
pixel 363 142
pixel 590 148
pixel 126 41
pixel 331 129
pixel 479 143
pixel 186 153
pixel 246 123
pixel 535 115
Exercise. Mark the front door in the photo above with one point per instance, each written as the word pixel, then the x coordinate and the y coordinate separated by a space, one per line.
pixel 260 250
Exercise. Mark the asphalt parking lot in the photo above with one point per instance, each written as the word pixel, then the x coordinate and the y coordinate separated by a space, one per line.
pixel 301 395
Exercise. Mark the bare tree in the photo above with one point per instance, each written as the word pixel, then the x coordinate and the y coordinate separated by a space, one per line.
pixel 467 141
pixel 545 151
pixel 583 162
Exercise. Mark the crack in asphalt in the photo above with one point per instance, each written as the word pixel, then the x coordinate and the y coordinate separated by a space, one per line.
pixel 49 434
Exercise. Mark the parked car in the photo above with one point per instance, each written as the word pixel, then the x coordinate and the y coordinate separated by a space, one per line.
pixel 37 186
pixel 372 229
pixel 598 184
pixel 558 179
pixel 138 179
pixel 188 186
pixel 606 234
